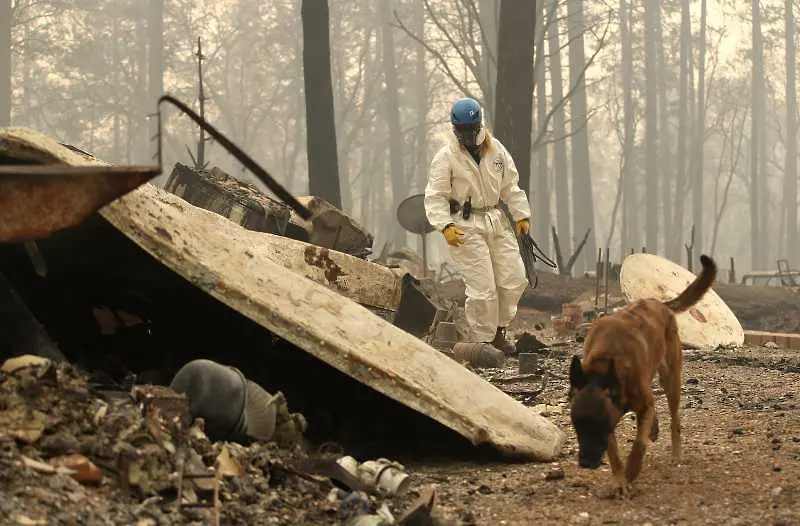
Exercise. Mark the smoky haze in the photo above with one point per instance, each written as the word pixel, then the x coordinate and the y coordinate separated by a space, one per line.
pixel 635 124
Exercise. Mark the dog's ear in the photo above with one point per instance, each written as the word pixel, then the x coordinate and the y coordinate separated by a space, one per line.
pixel 577 379
pixel 611 382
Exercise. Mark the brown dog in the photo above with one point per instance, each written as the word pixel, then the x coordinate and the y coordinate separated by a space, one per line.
pixel 621 355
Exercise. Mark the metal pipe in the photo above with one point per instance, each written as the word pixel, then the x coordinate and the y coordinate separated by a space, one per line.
pixel 597 279
pixel 605 306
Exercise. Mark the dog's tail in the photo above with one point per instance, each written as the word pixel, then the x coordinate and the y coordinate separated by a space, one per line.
pixel 696 288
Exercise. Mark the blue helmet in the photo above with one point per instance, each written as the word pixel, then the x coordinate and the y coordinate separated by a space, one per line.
pixel 465 112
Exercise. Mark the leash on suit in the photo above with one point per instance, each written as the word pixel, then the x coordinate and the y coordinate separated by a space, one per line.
pixel 538 251
pixel 529 250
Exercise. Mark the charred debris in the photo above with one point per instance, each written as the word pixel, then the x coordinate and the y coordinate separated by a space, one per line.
pixel 90 296
pixel 118 295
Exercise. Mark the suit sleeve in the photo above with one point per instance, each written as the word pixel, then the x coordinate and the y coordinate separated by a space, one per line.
pixel 438 191
pixel 512 195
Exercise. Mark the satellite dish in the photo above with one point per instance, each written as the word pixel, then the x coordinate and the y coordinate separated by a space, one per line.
pixel 411 216
pixel 708 324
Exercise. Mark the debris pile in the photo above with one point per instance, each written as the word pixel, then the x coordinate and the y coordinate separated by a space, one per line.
pixel 71 453
pixel 240 202
pixel 571 318
pixel 246 205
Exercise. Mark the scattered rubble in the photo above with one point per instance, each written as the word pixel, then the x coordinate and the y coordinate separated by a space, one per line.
pixel 240 202
pixel 244 204
pixel 73 453
pixel 741 461
pixel 571 317
pixel 70 453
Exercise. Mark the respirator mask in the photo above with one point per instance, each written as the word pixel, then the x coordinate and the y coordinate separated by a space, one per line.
pixel 469 135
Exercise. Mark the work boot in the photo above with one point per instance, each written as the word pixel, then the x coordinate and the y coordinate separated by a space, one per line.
pixel 501 343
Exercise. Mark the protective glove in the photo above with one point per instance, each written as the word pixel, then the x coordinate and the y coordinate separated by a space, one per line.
pixel 523 226
pixel 453 235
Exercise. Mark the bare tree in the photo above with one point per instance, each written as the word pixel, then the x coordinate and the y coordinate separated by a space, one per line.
pixel 698 203
pixel 757 144
pixel 542 217
pixel 628 236
pixel 5 62
pixel 732 132
pixel 323 164
pixel 467 42
pixel 560 173
pixel 421 102
pixel 392 111
pixel 684 132
pixel 665 154
pixel 514 103
pixel 790 176
pixel 468 39
pixel 489 19
pixel 651 127
pixel 155 58
pixel 582 198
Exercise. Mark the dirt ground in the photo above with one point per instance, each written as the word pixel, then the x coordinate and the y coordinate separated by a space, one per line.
pixel 741 465
pixel 741 421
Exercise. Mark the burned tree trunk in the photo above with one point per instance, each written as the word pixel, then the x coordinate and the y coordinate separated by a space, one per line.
pixel 514 103
pixel 488 18
pixel 566 269
pixel 651 128
pixel 155 58
pixel 421 104
pixel 391 101
pixel 698 201
pixel 542 210
pixel 323 158
pixel 629 235
pixel 664 136
pixel 582 199
pixel 757 186
pixel 790 178
pixel 560 174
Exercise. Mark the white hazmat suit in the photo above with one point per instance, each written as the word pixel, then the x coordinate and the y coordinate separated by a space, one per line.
pixel 489 260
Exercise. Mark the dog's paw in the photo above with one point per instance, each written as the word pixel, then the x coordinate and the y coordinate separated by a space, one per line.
pixel 625 490
pixel 621 489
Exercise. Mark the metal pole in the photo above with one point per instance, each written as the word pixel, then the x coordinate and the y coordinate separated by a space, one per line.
pixel 607 269
pixel 201 145
pixel 424 255
pixel 597 280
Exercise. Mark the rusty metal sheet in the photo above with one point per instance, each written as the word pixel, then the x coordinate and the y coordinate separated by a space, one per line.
pixel 36 200
pixel 709 324
pixel 235 266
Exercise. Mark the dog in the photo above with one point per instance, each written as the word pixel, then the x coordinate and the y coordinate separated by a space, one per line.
pixel 621 354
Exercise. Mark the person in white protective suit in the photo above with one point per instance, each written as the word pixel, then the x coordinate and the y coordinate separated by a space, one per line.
pixel 467 179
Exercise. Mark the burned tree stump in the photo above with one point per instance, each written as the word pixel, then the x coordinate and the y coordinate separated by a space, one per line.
pixel 566 270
